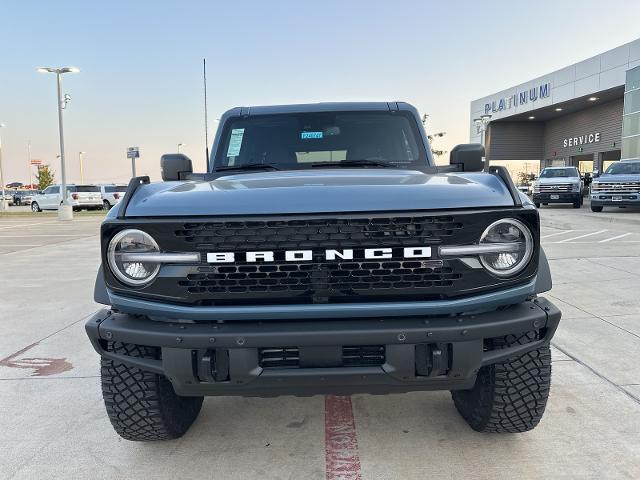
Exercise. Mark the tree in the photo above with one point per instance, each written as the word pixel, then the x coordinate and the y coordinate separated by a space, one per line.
pixel 45 176
pixel 432 137
pixel 525 178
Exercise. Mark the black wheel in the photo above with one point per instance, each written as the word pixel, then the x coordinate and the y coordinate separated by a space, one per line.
pixel 35 207
pixel 577 204
pixel 143 406
pixel 537 205
pixel 545 204
pixel 596 209
pixel 508 397
pixel 17 202
pixel 106 205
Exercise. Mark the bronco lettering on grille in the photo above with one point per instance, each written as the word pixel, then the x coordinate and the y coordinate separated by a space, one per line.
pixel 307 255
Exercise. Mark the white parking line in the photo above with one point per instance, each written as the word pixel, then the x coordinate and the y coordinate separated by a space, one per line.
pixel 614 238
pixel 49 235
pixel 557 233
pixel 21 245
pixel 582 236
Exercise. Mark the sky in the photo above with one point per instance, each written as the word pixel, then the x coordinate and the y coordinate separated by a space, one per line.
pixel 140 82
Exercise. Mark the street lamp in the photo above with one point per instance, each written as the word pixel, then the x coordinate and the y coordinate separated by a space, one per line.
pixel 81 155
pixel 65 211
pixel 3 203
pixel 181 145
pixel 481 128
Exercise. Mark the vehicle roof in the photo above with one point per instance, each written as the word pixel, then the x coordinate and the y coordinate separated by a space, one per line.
pixel 320 107
pixel 558 168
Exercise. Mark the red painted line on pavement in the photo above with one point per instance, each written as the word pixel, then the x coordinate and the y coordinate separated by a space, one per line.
pixel 342 461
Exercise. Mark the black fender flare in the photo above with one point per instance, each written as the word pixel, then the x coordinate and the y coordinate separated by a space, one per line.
pixel 543 279
pixel 100 294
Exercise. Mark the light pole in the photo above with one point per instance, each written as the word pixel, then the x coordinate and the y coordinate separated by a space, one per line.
pixel 3 203
pixel 181 145
pixel 81 156
pixel 65 211
pixel 481 127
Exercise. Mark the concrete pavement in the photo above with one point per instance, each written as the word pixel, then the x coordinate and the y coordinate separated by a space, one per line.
pixel 53 421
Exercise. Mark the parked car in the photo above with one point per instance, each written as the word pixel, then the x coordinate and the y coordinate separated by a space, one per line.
pixel 23 197
pixel 111 194
pixel 80 196
pixel 618 186
pixel 558 185
pixel 368 269
pixel 8 196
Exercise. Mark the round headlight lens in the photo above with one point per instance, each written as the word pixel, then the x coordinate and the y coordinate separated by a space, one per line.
pixel 518 243
pixel 128 242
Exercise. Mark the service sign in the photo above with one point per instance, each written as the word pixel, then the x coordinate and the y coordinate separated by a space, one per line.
pixel 581 140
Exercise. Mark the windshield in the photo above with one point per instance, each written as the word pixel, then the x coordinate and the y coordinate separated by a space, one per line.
pixel 86 188
pixel 624 168
pixel 295 141
pixel 559 172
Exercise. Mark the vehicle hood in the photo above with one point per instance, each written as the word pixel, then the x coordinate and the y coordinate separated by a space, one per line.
pixel 319 191
pixel 552 181
pixel 617 178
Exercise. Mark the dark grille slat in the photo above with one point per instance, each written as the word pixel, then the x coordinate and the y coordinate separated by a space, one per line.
pixel 325 233
pixel 337 278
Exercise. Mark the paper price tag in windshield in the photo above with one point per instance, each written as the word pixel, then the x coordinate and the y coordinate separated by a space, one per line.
pixel 235 142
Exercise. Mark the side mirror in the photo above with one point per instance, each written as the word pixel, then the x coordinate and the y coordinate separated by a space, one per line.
pixel 469 156
pixel 175 166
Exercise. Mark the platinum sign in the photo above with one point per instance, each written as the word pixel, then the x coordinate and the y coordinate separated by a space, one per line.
pixel 519 98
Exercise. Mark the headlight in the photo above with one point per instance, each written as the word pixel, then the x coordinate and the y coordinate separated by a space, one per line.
pixel 121 256
pixel 576 187
pixel 536 187
pixel 515 244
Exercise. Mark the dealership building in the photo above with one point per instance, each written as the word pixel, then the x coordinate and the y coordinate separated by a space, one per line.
pixel 586 115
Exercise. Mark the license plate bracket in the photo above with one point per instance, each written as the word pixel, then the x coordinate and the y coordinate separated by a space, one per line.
pixel 555 197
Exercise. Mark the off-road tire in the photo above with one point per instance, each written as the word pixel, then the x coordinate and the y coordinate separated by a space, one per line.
pixel 141 405
pixel 596 209
pixel 508 397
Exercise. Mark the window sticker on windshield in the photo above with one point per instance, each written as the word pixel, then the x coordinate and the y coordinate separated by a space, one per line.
pixel 309 135
pixel 235 142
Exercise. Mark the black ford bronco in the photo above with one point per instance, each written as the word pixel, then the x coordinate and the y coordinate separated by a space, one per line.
pixel 323 252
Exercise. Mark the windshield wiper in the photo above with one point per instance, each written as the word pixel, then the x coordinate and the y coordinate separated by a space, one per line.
pixel 354 163
pixel 247 166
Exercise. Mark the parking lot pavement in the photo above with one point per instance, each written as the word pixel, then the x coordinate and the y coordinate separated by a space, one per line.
pixel 54 425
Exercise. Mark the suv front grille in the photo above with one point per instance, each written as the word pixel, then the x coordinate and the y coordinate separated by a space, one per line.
pixel 320 280
pixel 610 187
pixel 340 278
pixel 558 187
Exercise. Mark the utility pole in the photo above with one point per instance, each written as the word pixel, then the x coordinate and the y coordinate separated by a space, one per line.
pixel 65 211
pixel 29 162
pixel 3 203
pixel 81 156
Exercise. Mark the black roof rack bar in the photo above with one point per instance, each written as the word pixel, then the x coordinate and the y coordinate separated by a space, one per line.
pixel 134 183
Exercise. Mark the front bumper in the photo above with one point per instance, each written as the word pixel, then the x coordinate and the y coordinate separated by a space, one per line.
pixel 613 199
pixel 420 353
pixel 566 197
